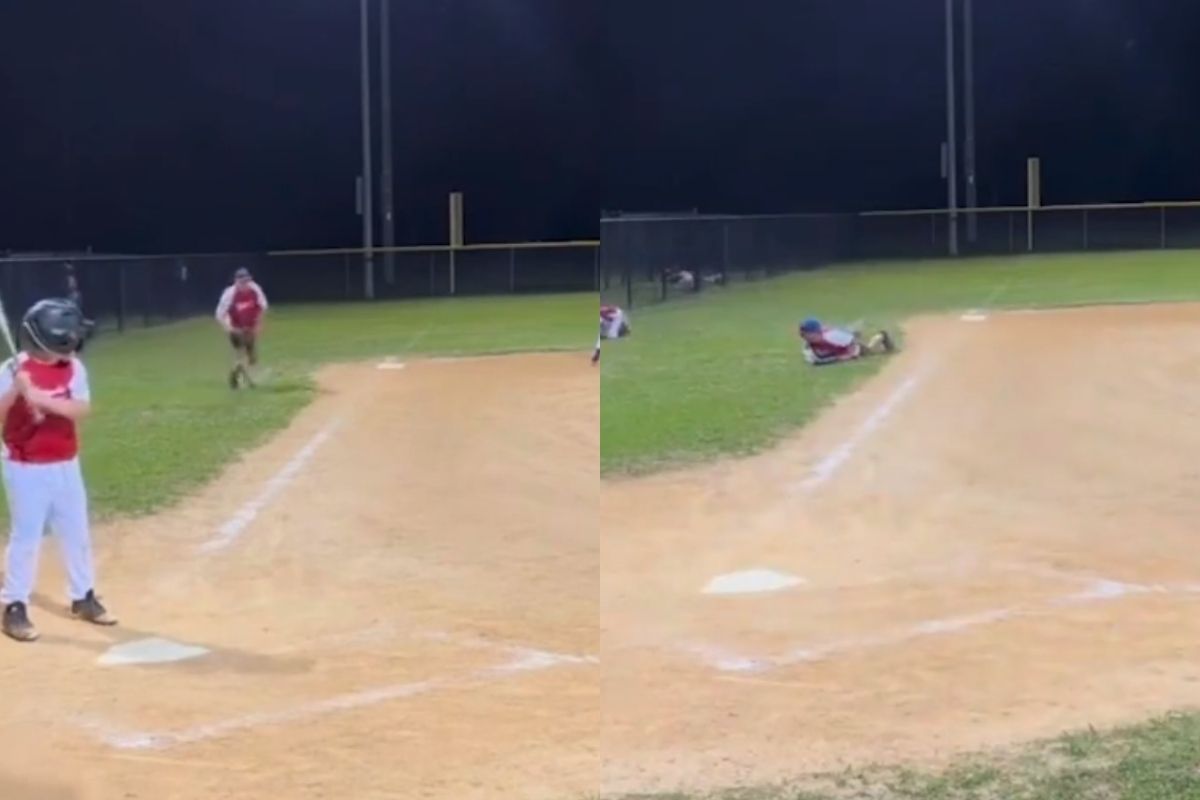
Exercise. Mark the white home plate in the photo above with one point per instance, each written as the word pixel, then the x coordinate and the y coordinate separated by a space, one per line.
pixel 149 651
pixel 390 364
pixel 752 581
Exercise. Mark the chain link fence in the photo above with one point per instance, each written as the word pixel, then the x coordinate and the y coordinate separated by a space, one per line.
pixel 122 291
pixel 643 257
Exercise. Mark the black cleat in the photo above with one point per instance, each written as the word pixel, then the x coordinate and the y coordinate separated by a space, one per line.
pixel 233 378
pixel 888 345
pixel 16 623
pixel 90 609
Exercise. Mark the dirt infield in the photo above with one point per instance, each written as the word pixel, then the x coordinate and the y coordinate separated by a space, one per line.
pixel 406 596
pixel 398 597
pixel 996 541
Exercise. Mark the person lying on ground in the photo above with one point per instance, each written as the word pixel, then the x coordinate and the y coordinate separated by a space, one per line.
pixel 829 345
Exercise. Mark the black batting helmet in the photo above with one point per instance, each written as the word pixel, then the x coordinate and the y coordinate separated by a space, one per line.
pixel 53 326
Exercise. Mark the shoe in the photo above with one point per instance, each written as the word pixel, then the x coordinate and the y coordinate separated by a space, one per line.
pixel 16 623
pixel 888 345
pixel 90 609
pixel 233 378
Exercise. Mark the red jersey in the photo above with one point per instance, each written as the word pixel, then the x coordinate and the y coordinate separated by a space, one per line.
pixel 608 312
pixel 834 343
pixel 54 438
pixel 242 306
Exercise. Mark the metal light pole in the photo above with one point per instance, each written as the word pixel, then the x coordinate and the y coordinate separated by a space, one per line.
pixel 385 174
pixel 969 119
pixel 367 206
pixel 951 134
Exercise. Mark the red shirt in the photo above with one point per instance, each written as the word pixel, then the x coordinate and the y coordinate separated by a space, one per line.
pixel 608 312
pixel 242 305
pixel 833 343
pixel 55 438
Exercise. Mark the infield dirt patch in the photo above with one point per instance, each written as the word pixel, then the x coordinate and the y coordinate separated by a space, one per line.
pixel 405 595
pixel 398 593
pixel 998 538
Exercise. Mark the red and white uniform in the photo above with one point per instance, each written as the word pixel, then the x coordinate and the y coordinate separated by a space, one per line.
pixel 241 307
pixel 43 480
pixel 612 319
pixel 832 344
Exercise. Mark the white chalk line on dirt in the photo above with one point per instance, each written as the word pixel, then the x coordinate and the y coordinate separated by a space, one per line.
pixel 980 314
pixel 232 529
pixel 522 660
pixel 1100 591
pixel 828 466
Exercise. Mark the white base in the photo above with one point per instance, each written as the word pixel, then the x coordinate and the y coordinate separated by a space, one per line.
pixel 149 651
pixel 753 581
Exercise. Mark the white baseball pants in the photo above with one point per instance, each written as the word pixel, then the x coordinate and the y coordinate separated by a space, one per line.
pixel 41 495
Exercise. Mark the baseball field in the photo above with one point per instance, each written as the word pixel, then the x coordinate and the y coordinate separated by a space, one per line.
pixel 372 577
pixel 438 555
pixel 967 570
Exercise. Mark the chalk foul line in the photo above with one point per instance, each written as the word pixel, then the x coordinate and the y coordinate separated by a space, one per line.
pixel 522 661
pixel 1099 592
pixel 828 466
pixel 235 526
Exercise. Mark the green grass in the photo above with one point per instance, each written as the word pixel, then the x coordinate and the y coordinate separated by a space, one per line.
pixel 1158 760
pixel 165 421
pixel 721 374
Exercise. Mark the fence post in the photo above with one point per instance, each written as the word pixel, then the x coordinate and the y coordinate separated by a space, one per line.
pixel 147 294
pixel 725 251
pixel 1029 229
pixel 1162 227
pixel 121 297
pixel 596 266
pixel 1012 232
pixel 1085 229
pixel 433 273
pixel 512 270
pixel 628 273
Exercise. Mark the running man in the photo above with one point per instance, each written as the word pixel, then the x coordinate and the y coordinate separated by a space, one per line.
pixel 44 393
pixel 240 313
pixel 824 345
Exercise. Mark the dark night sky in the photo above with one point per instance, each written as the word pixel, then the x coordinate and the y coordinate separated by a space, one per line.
pixel 151 125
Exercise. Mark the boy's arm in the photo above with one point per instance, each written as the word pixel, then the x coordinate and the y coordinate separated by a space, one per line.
pixel 812 358
pixel 223 304
pixel 75 407
pixel 9 392
pixel 262 298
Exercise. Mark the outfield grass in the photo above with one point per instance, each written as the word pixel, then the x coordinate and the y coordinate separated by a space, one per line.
pixel 1159 760
pixel 166 421
pixel 721 373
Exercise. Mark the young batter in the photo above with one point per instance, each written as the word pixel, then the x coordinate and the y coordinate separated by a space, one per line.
pixel 240 312
pixel 41 404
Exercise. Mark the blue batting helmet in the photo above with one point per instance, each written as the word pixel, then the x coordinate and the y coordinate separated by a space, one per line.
pixel 810 325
